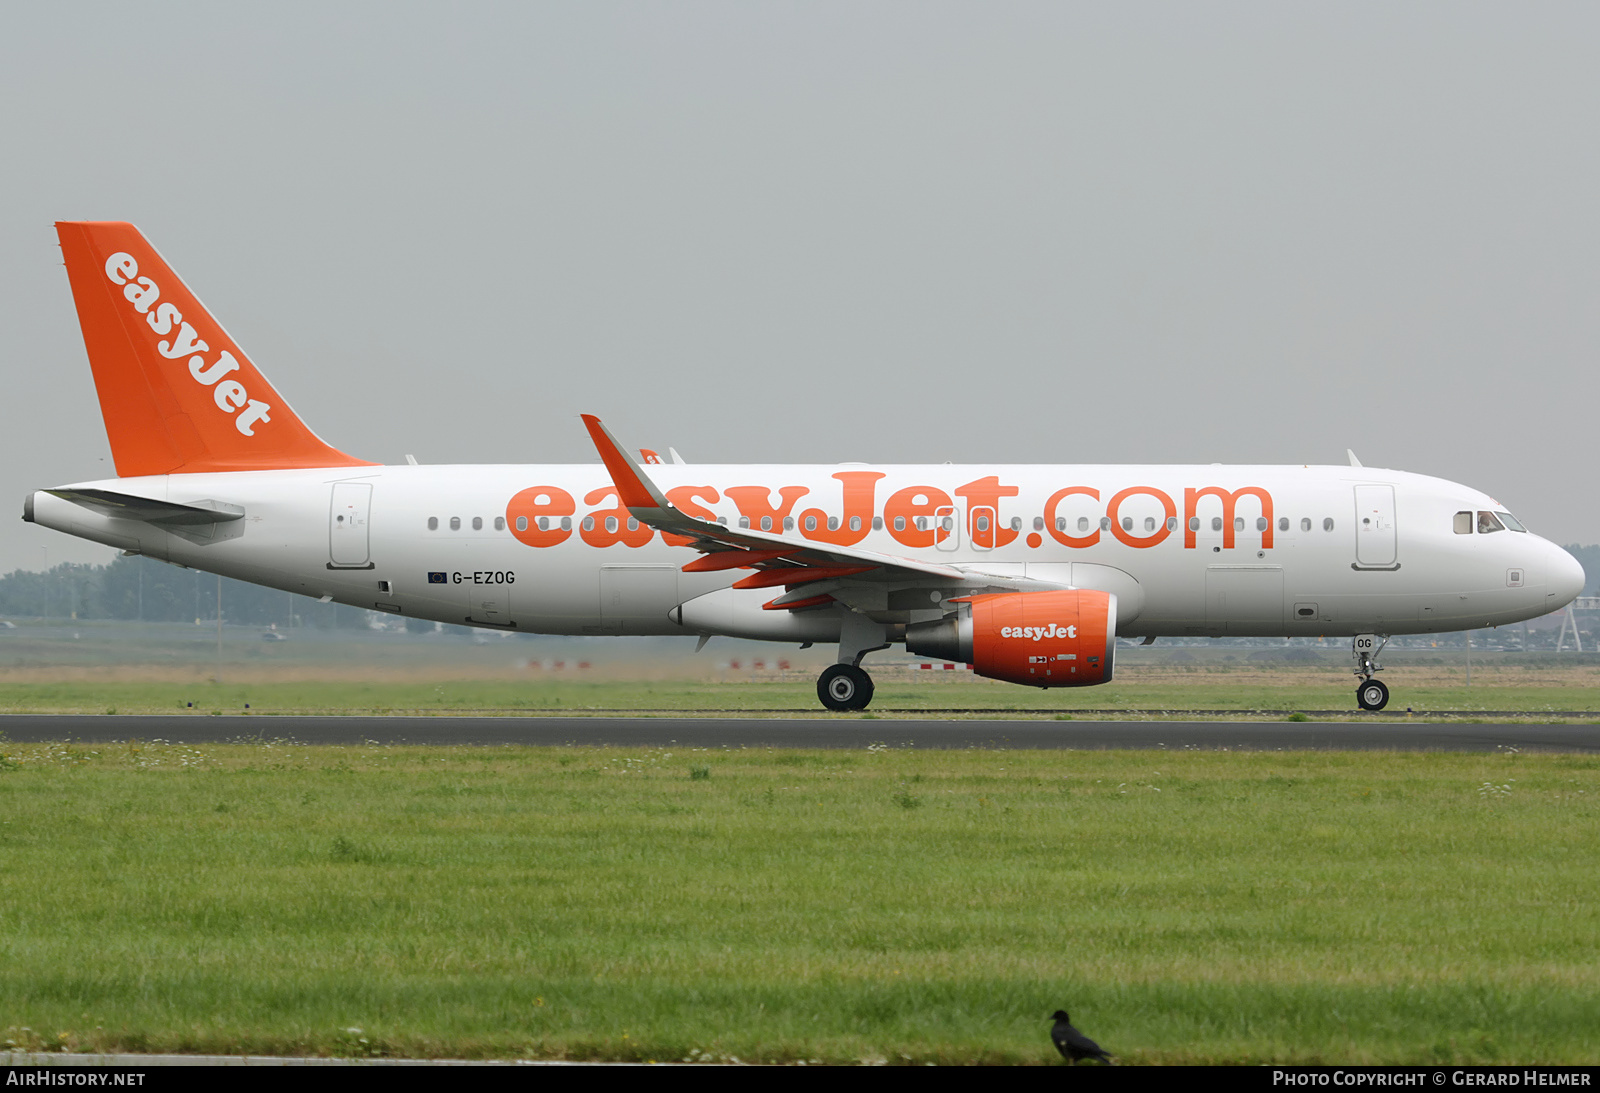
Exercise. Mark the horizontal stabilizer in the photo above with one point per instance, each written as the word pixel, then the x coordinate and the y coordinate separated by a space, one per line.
pixel 128 507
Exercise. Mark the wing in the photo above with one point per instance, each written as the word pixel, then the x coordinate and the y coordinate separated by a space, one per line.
pixel 812 573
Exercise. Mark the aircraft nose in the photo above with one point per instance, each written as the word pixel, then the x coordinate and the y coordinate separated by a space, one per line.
pixel 1564 579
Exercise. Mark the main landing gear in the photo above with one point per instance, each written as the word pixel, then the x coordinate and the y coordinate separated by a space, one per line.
pixel 1370 693
pixel 845 686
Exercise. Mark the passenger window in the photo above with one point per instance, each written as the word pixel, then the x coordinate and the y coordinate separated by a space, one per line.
pixel 1194 523
pixel 433 523
pixel 1327 523
pixel 983 523
pixel 1149 523
pixel 788 523
pixel 1216 523
pixel 1127 523
pixel 1261 523
pixel 611 524
pixel 766 523
pixel 811 523
pixel 499 523
pixel 522 523
pixel 566 523
pixel 1238 523
pixel 899 523
pixel 1038 523
pixel 588 523
pixel 1488 522
pixel 455 523
pixel 1172 523
pixel 833 523
pixel 1463 523
pixel 544 523
pixel 1305 523
pixel 744 522
pixel 633 525
pixel 477 523
pixel 1061 523
pixel 1083 523
pixel 855 523
pixel 1105 523
pixel 1016 523
pixel 922 523
pixel 877 523
pixel 1283 523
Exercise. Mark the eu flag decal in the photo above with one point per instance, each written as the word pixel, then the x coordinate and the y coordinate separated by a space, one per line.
pixel 436 578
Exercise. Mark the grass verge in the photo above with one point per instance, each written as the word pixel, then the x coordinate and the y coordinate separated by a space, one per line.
pixel 1138 692
pixel 875 905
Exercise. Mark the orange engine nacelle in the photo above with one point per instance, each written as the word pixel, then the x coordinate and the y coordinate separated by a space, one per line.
pixel 1044 639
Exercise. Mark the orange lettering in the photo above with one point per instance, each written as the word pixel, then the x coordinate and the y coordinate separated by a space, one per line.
pixel 608 527
pixel 1076 541
pixel 1129 538
pixel 1191 498
pixel 683 499
pixel 986 493
pixel 524 511
pixel 902 509
pixel 756 502
pixel 859 490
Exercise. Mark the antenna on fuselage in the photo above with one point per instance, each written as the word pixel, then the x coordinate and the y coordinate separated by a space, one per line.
pixel 1354 462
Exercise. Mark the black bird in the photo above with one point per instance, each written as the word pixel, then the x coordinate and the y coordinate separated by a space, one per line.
pixel 1074 1045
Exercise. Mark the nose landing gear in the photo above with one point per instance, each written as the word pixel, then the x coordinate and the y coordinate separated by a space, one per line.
pixel 1370 693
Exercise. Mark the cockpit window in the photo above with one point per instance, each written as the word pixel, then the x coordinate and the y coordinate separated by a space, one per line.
pixel 1464 523
pixel 1510 521
pixel 1488 521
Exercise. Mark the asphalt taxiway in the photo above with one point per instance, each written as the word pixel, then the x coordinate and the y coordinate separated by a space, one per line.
pixel 801 732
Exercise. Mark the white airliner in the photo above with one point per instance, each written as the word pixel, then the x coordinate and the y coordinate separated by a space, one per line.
pixel 1027 573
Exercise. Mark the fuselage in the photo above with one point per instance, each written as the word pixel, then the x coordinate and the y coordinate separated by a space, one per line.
pixel 1189 550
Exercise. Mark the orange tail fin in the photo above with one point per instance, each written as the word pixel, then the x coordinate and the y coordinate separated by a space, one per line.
pixel 177 394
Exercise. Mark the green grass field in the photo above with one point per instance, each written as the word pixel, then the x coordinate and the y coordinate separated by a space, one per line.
pixel 71 667
pixel 1141 692
pixel 876 904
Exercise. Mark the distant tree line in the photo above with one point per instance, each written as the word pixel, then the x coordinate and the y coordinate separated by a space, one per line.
pixel 140 588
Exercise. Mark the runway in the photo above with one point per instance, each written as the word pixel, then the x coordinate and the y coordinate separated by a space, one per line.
pixel 797 732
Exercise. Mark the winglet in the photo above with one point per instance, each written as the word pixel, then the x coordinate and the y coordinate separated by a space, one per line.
pixel 635 490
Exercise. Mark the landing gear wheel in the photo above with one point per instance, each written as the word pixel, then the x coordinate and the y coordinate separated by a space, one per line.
pixel 1372 695
pixel 844 687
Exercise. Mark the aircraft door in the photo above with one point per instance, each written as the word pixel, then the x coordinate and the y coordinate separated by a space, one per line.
pixel 980 521
pixel 1376 546
pixel 348 537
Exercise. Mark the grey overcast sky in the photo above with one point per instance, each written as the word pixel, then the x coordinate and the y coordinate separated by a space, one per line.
pixel 813 232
